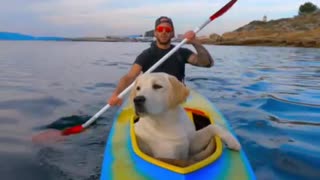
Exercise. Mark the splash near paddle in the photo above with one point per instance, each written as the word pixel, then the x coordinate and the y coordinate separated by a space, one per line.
pixel 48 137
pixel 59 129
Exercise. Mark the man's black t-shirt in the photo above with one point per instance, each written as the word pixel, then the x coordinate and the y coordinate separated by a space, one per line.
pixel 174 65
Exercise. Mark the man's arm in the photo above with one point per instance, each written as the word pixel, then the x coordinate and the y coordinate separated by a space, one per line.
pixel 124 82
pixel 127 79
pixel 202 58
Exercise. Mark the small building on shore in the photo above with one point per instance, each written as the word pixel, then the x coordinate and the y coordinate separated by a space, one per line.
pixel 264 19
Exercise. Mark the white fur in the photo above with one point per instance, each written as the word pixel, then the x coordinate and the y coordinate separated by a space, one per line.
pixel 167 132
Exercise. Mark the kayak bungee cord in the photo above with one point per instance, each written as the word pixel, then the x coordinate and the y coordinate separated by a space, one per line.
pixel 80 128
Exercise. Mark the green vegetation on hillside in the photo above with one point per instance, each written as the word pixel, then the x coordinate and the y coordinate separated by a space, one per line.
pixel 307 8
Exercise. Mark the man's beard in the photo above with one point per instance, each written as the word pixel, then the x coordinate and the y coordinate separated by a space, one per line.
pixel 164 43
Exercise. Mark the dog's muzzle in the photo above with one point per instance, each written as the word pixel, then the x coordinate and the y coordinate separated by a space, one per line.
pixel 139 104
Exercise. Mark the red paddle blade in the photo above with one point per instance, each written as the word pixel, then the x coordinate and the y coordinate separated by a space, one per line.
pixel 73 130
pixel 223 10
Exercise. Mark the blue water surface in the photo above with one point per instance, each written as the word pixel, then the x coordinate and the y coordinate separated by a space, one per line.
pixel 270 96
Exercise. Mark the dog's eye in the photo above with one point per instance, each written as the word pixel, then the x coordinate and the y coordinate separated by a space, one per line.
pixel 138 88
pixel 156 86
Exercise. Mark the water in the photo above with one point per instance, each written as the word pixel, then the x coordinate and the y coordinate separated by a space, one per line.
pixel 270 95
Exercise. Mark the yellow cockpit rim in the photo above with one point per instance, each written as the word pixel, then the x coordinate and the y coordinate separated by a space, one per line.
pixel 182 170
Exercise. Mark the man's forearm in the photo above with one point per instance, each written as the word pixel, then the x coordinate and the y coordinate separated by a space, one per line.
pixel 203 56
pixel 124 82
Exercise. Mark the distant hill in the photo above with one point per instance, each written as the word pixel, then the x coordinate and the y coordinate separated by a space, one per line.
pixel 18 36
pixel 300 31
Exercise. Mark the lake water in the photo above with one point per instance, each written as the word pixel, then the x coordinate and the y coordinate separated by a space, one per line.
pixel 270 95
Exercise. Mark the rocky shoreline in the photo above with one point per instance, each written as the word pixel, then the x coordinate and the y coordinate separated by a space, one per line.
pixel 300 31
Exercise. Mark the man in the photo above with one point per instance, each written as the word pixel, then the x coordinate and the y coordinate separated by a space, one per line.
pixel 174 65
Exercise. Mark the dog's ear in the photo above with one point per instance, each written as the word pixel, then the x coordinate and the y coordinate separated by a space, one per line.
pixel 178 92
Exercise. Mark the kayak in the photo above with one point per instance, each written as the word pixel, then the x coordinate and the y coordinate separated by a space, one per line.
pixel 124 160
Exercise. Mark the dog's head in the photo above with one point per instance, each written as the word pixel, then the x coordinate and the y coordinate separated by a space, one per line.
pixel 156 93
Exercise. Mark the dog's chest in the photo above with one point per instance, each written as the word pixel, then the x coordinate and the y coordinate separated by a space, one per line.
pixel 165 143
pixel 172 148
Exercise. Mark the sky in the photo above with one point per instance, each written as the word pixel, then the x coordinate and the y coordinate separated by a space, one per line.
pixel 100 18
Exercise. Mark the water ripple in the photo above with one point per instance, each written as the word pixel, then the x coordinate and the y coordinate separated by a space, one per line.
pixel 40 107
pixel 293 112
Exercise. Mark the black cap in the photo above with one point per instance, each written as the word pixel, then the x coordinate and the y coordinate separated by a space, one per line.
pixel 163 19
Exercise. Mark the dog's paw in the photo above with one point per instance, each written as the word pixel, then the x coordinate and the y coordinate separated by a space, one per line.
pixel 231 142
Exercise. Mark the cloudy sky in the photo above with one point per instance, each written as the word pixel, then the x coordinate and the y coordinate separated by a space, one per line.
pixel 75 18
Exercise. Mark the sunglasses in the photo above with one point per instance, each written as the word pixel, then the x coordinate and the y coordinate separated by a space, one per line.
pixel 164 28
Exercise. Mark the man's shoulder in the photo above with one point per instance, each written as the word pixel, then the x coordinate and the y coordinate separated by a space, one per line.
pixel 144 53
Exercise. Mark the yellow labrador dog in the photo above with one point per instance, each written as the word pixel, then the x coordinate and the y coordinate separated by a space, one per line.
pixel 164 130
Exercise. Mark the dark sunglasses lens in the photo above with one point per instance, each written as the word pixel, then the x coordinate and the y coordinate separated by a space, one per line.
pixel 168 29
pixel 161 28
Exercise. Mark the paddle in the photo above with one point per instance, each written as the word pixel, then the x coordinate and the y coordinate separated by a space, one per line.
pixel 80 128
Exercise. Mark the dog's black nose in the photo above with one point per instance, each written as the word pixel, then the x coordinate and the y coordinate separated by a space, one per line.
pixel 139 100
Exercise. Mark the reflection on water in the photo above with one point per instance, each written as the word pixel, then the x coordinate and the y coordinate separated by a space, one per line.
pixel 270 95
